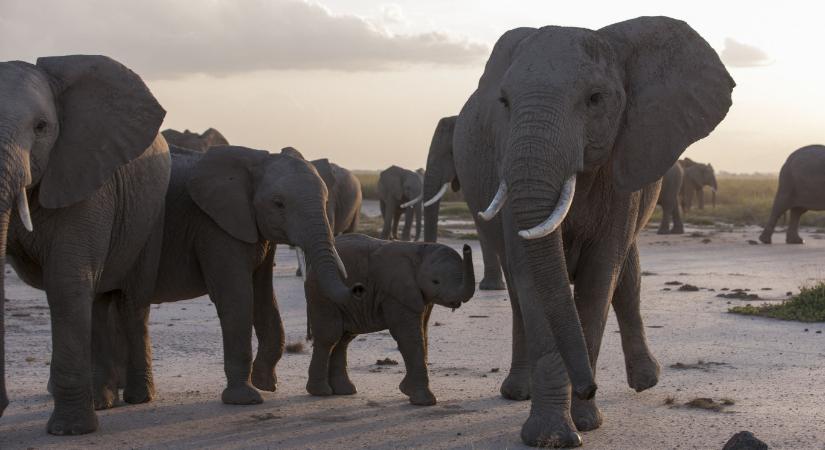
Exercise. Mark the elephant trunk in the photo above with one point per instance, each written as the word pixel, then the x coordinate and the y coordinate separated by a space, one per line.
pixel 468 282
pixel 432 183
pixel 4 228
pixel 418 211
pixel 322 260
pixel 537 165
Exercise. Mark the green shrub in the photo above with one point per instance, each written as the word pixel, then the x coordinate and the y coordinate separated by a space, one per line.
pixel 807 306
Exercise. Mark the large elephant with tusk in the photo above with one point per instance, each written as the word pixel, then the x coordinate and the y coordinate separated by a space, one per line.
pixel 559 151
pixel 400 191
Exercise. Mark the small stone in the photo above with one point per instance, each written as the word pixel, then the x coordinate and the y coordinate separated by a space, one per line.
pixel 745 440
pixel 688 288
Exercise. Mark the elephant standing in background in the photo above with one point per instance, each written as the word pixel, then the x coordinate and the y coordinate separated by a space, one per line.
pixel 194 141
pixel 440 175
pixel 801 188
pixel 559 152
pixel 696 177
pixel 226 209
pixel 79 138
pixel 669 199
pixel 400 191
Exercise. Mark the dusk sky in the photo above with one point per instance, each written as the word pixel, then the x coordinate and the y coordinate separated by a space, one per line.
pixel 364 82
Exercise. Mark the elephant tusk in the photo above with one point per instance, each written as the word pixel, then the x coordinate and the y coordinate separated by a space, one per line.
pixel 496 204
pixel 438 195
pixel 23 210
pixel 302 262
pixel 341 266
pixel 557 216
pixel 412 202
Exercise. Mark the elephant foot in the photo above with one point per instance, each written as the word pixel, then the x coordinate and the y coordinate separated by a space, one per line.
pixel 342 385
pixel 662 231
pixel 516 386
pixel 678 230
pixel 135 393
pixel 265 380
pixel 242 394
pixel 420 395
pixel 765 238
pixel 298 272
pixel 586 415
pixel 553 431
pixel 72 421
pixel 492 284
pixel 321 388
pixel 105 397
pixel 794 240
pixel 642 372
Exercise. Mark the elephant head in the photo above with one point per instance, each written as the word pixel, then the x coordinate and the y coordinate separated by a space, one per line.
pixel 67 123
pixel 624 101
pixel 195 141
pixel 699 175
pixel 254 195
pixel 440 175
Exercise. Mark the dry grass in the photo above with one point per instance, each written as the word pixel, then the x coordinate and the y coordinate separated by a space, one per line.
pixel 295 347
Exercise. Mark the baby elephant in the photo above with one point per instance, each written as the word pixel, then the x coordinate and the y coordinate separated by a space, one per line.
pixel 402 281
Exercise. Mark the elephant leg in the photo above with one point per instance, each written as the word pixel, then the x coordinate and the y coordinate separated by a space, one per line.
pixel 353 226
pixel 700 195
pixel 792 234
pixel 779 208
pixel 396 221
pixel 408 333
pixel 70 305
pixel 318 380
pixel 667 212
pixel 388 213
pixel 517 384
pixel 339 379
pixel 104 376
pixel 678 226
pixel 408 220
pixel 640 364
pixel 269 328
pixel 493 279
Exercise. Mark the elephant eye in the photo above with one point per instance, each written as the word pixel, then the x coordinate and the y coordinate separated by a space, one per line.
pixel 279 204
pixel 503 100
pixel 436 282
pixel 40 126
pixel 596 99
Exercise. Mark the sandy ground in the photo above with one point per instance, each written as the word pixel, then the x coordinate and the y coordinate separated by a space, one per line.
pixel 773 370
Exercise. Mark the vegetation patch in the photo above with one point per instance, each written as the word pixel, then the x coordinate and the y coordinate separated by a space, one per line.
pixel 699 365
pixel 295 347
pixel 709 404
pixel 807 306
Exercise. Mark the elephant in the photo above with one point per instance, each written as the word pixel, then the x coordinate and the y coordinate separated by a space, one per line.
pixel 402 281
pixel 670 200
pixel 194 141
pixel 559 151
pixel 801 188
pixel 86 169
pixel 441 175
pixel 226 210
pixel 400 190
pixel 697 176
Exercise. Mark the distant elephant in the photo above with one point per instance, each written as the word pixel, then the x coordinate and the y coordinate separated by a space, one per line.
pixel 801 188
pixel 402 281
pixel 559 152
pixel 670 200
pixel 697 176
pixel 194 141
pixel 400 191
pixel 226 209
pixel 441 175
pixel 79 136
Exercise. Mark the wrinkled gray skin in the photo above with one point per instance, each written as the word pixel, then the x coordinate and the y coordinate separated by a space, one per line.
pixel 402 281
pixel 194 141
pixel 615 107
pixel 226 210
pixel 397 186
pixel 697 176
pixel 801 188
pixel 441 170
pixel 670 201
pixel 81 133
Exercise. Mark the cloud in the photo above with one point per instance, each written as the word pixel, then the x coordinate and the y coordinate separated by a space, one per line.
pixel 167 39
pixel 738 54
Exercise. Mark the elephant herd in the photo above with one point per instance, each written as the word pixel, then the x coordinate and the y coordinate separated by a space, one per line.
pixel 559 153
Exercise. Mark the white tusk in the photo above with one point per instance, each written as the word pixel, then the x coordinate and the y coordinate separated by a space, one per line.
pixel 557 216
pixel 496 204
pixel 341 266
pixel 437 196
pixel 302 262
pixel 23 210
pixel 412 202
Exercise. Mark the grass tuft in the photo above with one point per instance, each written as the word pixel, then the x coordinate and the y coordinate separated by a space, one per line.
pixel 807 306
pixel 295 347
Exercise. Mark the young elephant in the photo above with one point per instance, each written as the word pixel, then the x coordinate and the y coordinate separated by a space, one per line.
pixel 403 280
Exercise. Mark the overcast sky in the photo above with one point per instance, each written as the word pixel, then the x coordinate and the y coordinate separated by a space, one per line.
pixel 364 82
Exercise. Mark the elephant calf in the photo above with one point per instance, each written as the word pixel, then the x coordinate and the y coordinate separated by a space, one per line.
pixel 403 280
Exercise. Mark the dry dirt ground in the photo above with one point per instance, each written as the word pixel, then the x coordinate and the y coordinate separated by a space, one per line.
pixel 774 371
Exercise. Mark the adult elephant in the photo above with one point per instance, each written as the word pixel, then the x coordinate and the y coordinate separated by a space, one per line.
pixel 801 188
pixel 560 150
pixel 79 137
pixel 670 200
pixel 194 141
pixel 697 176
pixel 400 191
pixel 441 175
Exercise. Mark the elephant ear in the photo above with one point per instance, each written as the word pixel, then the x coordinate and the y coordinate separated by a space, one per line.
pixel 107 117
pixel 293 152
pixel 214 138
pixel 396 277
pixel 677 90
pixel 325 171
pixel 440 162
pixel 222 186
